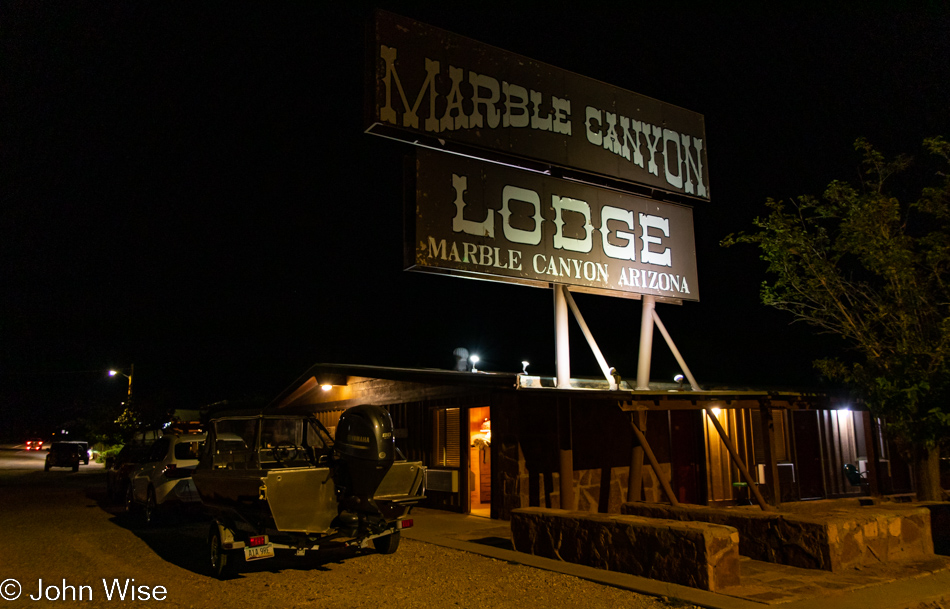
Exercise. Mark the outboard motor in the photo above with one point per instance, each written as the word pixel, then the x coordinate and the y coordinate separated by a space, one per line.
pixel 366 450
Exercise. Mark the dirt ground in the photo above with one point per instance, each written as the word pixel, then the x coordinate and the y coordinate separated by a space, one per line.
pixel 58 527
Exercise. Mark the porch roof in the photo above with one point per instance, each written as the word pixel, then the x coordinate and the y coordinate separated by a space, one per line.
pixel 382 384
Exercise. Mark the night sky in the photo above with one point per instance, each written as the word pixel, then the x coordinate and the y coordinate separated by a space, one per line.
pixel 187 187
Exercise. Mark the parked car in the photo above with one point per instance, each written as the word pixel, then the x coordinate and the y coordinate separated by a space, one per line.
pixel 63 454
pixel 164 479
pixel 119 468
pixel 34 444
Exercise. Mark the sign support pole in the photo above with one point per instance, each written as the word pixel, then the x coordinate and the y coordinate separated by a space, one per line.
pixel 648 318
pixel 646 342
pixel 561 340
pixel 563 366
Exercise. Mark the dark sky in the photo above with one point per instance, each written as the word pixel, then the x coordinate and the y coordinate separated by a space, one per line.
pixel 187 186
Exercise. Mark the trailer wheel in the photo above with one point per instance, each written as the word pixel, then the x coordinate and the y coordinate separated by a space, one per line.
pixel 386 544
pixel 223 562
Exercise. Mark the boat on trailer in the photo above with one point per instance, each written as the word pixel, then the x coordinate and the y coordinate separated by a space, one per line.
pixel 278 481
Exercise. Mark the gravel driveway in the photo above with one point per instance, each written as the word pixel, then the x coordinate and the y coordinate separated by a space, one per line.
pixel 58 526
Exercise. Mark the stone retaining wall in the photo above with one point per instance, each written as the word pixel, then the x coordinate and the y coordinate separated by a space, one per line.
pixel 696 554
pixel 832 539
pixel 939 522
pixel 940 525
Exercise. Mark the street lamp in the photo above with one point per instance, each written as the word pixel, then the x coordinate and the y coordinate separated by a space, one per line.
pixel 128 402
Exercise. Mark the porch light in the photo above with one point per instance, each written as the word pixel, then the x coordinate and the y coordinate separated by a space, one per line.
pixel 326 387
pixel 680 379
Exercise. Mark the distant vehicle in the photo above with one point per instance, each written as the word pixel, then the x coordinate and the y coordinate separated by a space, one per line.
pixel 278 481
pixel 63 454
pixel 119 467
pixel 34 444
pixel 83 449
pixel 164 479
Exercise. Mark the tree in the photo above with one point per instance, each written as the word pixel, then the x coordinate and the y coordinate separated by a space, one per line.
pixel 859 263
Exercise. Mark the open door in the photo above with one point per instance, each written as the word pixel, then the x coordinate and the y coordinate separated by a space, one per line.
pixel 479 475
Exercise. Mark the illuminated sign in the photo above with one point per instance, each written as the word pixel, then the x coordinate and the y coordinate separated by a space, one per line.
pixel 488 221
pixel 435 88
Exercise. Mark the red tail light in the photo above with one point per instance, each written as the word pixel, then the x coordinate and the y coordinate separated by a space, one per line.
pixel 257 540
pixel 405 523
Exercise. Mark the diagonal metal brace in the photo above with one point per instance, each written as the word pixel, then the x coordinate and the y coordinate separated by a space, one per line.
pixel 601 361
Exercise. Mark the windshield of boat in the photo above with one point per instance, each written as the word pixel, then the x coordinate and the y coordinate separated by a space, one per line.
pixel 293 431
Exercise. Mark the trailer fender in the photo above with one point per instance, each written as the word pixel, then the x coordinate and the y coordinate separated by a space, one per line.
pixel 228 542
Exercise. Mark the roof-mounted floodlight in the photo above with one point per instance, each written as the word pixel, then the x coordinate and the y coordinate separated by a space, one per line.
pixel 330 379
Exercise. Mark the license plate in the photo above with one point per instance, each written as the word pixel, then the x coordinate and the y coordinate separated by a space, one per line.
pixel 264 551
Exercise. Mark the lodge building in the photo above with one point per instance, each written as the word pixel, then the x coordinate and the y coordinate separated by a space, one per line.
pixel 494 442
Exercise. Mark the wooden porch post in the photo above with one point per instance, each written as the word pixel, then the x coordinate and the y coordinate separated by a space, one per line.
pixel 874 484
pixel 771 467
pixel 566 456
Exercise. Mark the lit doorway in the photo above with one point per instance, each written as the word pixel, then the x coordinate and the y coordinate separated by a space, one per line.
pixel 479 474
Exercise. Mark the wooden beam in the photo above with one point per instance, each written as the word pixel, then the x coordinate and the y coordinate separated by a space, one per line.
pixel 686 400
pixel 635 478
pixel 771 467
pixel 664 483
pixel 753 487
pixel 566 456
pixel 870 445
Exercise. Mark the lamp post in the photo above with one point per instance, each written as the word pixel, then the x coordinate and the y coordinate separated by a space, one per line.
pixel 128 402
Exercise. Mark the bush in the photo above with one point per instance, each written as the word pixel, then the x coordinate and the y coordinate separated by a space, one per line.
pixel 103 451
